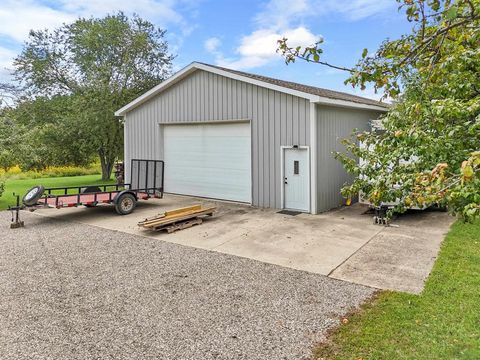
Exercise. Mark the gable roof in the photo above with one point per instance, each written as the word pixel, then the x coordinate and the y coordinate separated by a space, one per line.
pixel 331 94
pixel 314 94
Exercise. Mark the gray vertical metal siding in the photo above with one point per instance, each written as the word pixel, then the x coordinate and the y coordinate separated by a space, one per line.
pixel 277 119
pixel 333 125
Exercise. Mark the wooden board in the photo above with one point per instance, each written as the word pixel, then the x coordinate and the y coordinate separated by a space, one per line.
pixel 170 214
pixel 181 217
pixel 176 216
pixel 183 210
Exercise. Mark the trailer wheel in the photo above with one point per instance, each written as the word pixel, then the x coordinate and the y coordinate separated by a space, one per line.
pixel 125 204
pixel 88 190
pixel 33 195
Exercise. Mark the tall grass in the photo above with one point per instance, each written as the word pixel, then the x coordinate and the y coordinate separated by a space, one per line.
pixel 15 173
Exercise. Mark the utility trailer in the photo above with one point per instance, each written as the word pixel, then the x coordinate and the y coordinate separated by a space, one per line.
pixel 146 181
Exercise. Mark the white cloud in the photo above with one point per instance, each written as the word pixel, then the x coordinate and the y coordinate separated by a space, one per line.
pixel 285 18
pixel 259 48
pixel 162 11
pixel 212 44
pixel 6 57
pixel 280 13
pixel 18 17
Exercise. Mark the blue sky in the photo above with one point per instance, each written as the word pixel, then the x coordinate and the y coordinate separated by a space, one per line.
pixel 235 34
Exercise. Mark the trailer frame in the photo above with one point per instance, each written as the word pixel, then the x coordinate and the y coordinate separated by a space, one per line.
pixel 141 186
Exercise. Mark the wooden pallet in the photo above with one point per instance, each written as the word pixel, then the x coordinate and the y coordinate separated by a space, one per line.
pixel 177 219
pixel 181 225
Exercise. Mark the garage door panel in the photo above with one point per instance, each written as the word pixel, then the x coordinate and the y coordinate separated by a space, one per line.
pixel 210 155
pixel 210 160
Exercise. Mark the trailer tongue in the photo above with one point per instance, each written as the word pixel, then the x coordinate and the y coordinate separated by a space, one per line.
pixel 146 181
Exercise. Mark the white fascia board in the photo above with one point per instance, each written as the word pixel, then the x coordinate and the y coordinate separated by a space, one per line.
pixel 349 104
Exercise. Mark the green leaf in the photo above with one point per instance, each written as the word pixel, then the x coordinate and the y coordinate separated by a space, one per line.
pixel 451 13
pixel 467 171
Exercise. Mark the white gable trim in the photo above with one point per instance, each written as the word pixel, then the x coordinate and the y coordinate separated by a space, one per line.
pixel 197 66
pixel 349 104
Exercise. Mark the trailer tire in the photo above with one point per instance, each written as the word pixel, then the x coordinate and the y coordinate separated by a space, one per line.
pixel 91 189
pixel 125 204
pixel 33 195
pixel 88 190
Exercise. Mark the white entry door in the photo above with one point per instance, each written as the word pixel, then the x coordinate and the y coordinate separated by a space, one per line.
pixel 208 160
pixel 296 179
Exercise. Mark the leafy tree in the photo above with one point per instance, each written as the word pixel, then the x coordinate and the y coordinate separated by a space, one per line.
pixel 428 151
pixel 8 142
pixel 50 133
pixel 100 65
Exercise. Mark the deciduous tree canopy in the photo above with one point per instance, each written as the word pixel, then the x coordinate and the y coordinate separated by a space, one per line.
pixel 85 71
pixel 428 151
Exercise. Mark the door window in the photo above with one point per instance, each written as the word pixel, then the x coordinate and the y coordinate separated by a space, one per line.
pixel 296 167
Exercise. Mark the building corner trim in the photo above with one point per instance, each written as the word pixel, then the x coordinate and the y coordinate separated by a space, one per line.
pixel 313 158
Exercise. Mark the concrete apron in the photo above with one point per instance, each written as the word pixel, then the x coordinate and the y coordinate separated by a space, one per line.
pixel 343 243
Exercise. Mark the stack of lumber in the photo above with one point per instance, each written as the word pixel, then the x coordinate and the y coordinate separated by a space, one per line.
pixel 177 219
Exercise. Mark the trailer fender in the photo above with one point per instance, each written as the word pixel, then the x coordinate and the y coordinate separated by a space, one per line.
pixel 115 199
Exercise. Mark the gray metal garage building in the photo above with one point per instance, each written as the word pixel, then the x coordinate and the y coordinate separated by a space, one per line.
pixel 237 136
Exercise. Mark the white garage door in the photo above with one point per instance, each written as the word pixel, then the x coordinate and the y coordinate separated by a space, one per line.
pixel 209 160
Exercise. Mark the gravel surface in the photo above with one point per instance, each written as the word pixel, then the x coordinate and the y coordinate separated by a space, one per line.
pixel 72 291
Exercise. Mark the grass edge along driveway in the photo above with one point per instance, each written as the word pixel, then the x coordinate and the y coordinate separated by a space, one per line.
pixel 21 186
pixel 443 322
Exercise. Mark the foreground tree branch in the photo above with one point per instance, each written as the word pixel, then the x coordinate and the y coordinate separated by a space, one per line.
pixel 428 150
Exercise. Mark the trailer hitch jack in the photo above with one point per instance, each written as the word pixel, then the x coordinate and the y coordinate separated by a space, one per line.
pixel 16 222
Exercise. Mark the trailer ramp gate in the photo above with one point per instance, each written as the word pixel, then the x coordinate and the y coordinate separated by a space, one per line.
pixel 147 176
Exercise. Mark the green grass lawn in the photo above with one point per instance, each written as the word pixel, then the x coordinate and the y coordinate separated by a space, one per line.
pixel 21 186
pixel 441 323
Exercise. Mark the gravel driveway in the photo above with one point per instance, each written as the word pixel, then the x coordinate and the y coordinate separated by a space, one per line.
pixel 72 291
